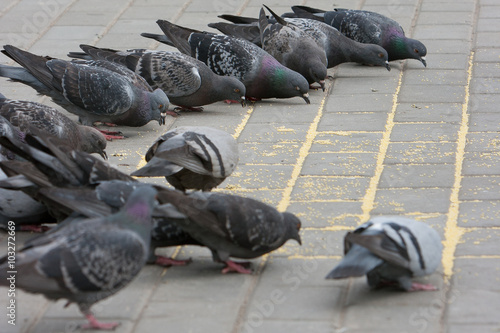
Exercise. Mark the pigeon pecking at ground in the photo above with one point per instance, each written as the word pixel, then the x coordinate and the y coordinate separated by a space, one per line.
pixel 293 48
pixel 23 115
pixel 370 27
pixel 338 48
pixel 262 75
pixel 232 226
pixel 96 91
pixel 192 157
pixel 15 205
pixel 87 261
pixel 188 82
pixel 390 250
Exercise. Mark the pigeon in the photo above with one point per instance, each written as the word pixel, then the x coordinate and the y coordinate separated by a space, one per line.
pixel 96 91
pixel 233 226
pixel 339 48
pixel 293 48
pixel 192 157
pixel 370 27
pixel 187 81
pixel 25 114
pixel 390 250
pixel 87 261
pixel 262 75
pixel 71 182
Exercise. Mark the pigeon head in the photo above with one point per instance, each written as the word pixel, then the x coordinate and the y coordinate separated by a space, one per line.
pixel 317 73
pixel 375 55
pixel 232 89
pixel 409 48
pixel 92 141
pixel 290 83
pixel 417 50
pixel 293 224
pixel 159 105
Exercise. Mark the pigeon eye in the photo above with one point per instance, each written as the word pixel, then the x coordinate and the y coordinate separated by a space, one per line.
pixel 380 55
pixel 160 106
pixel 236 90
pixel 297 88
pixel 416 51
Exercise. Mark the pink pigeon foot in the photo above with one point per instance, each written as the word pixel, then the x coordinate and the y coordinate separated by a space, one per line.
pixel 34 228
pixel 415 286
pixel 238 267
pixel 167 262
pixel 94 324
pixel 105 124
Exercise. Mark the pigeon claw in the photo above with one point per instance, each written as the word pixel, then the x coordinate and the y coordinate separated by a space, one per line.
pixel 167 262
pixel 238 267
pixel 415 286
pixel 94 324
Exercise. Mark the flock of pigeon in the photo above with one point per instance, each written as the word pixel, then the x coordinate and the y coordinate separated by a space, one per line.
pixel 49 175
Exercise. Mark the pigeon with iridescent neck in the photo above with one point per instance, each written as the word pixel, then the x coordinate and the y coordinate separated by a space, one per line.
pixel 262 75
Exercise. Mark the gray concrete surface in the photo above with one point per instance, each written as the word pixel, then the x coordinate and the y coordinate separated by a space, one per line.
pixel 415 141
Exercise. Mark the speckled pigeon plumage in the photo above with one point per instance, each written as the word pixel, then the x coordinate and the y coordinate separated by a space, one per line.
pixel 96 91
pixel 87 261
pixel 71 182
pixel 187 81
pixel 16 205
pixel 192 157
pixel 390 250
pixel 233 226
pixel 24 115
pixel 262 75
pixel 370 27
pixel 293 48
pixel 338 48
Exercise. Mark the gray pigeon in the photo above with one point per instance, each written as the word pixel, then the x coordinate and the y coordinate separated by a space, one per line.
pixel 293 48
pixel 390 250
pixel 187 81
pixel 87 261
pixel 370 27
pixel 96 91
pixel 233 226
pixel 23 115
pixel 339 48
pixel 192 157
pixel 262 75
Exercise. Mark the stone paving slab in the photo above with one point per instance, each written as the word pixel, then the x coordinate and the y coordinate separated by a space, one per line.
pixel 415 141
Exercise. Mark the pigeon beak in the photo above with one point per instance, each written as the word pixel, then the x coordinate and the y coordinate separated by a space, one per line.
pixel 387 65
pixel 322 84
pixel 298 240
pixel 306 98
pixel 161 121
pixel 422 59
pixel 103 154
pixel 243 101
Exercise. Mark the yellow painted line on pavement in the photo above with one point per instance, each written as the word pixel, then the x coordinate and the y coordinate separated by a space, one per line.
pixel 369 198
pixel 303 152
pixel 452 232
pixel 243 123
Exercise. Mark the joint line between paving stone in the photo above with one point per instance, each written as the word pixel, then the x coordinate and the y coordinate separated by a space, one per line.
pixel 6 9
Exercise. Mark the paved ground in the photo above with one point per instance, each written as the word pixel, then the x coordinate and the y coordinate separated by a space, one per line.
pixel 419 142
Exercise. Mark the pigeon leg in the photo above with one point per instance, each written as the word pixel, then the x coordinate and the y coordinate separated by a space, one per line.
pixel 239 267
pixel 105 124
pixel 110 135
pixel 188 108
pixel 34 228
pixel 415 286
pixel 167 262
pixel 231 101
pixel 94 324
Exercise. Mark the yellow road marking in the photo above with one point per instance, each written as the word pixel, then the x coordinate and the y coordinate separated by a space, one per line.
pixel 452 232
